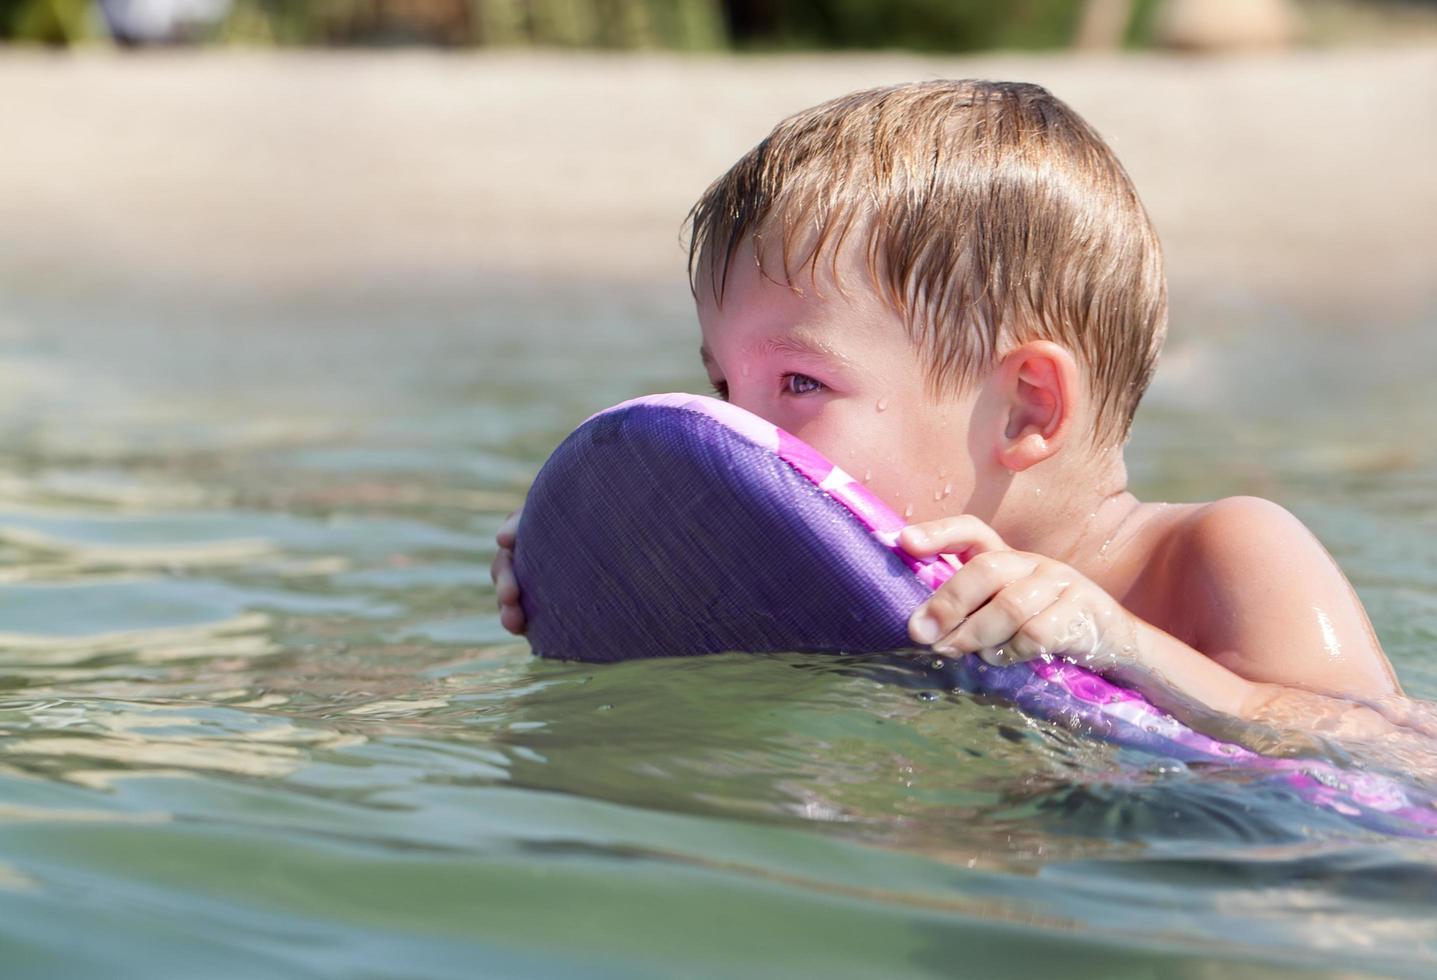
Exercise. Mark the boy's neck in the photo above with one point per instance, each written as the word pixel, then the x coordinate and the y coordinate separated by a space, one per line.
pixel 1077 515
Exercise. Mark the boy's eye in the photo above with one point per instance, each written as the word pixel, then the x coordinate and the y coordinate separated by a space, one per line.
pixel 801 384
pixel 720 389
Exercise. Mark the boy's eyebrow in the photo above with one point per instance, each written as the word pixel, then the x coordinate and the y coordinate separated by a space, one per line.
pixel 789 345
pixel 801 345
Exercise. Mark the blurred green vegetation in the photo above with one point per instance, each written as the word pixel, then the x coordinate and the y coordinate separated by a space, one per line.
pixel 695 25
pixel 936 25
pixel 933 25
pixel 45 21
pixel 678 24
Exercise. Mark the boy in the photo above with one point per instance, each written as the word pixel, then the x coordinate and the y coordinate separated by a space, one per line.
pixel 953 288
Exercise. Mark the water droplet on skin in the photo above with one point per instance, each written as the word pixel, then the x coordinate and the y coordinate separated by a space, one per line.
pixel 947 489
pixel 868 474
pixel 1037 491
pixel 908 511
pixel 937 495
pixel 883 404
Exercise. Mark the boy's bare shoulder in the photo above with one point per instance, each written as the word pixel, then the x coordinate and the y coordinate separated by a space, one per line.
pixel 1237 531
pixel 1267 599
pixel 1247 552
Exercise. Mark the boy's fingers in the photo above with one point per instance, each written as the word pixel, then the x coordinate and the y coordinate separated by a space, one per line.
pixel 969 588
pixel 964 535
pixel 512 619
pixel 506 589
pixel 1059 629
pixel 509 531
pixel 506 586
pixel 1005 618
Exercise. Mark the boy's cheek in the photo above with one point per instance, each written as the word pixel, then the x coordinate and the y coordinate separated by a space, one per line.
pixel 904 465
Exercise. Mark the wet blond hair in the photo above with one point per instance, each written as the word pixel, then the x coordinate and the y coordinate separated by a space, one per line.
pixel 989 213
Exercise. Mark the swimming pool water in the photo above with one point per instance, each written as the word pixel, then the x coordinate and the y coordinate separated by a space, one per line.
pixel 258 718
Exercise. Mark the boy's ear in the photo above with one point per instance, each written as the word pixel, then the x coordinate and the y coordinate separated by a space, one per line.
pixel 1039 383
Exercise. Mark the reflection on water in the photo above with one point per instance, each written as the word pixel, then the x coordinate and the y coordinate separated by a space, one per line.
pixel 257 715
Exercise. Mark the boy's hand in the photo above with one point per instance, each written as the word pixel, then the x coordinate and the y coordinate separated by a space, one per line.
pixel 1009 606
pixel 506 586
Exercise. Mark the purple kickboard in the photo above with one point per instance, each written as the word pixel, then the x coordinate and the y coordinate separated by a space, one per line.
pixel 678 524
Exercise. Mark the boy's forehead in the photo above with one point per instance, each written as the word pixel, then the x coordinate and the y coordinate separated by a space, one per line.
pixel 759 315
pixel 765 269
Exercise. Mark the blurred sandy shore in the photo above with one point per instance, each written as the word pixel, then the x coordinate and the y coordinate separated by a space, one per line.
pixel 1306 176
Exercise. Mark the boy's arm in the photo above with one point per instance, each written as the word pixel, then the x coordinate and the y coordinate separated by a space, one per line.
pixel 1199 691
pixel 1011 606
